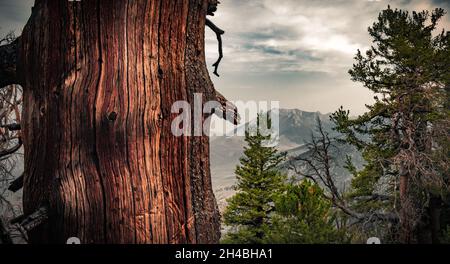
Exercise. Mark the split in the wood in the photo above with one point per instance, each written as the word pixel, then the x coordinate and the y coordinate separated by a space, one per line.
pixel 219 32
pixel 33 220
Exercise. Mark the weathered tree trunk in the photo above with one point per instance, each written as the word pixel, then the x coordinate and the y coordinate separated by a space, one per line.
pixel 406 228
pixel 435 208
pixel 99 80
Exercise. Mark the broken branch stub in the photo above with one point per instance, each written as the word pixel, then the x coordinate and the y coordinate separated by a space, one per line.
pixel 33 220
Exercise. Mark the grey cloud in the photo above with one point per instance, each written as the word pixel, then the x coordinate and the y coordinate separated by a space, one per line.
pixel 273 31
pixel 295 51
pixel 442 3
pixel 302 48
pixel 264 49
pixel 14 14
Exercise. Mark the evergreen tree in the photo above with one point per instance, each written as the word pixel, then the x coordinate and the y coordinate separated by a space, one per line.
pixel 404 135
pixel 304 216
pixel 258 182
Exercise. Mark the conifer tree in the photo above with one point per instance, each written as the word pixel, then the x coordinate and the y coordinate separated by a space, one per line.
pixel 304 216
pixel 404 135
pixel 258 182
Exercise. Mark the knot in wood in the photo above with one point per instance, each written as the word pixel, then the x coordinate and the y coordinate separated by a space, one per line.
pixel 112 116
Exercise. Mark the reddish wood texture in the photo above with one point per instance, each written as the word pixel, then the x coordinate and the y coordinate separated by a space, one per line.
pixel 99 79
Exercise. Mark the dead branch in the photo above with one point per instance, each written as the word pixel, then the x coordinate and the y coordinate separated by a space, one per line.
pixel 374 197
pixel 318 169
pixel 12 150
pixel 228 110
pixel 219 32
pixel 33 220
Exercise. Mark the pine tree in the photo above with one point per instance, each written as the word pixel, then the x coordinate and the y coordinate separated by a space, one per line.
pixel 258 182
pixel 404 135
pixel 304 216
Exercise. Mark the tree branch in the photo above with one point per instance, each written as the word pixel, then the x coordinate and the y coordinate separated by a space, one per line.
pixel 319 170
pixel 11 150
pixel 219 32
pixel 33 220
pixel 374 197
pixel 228 110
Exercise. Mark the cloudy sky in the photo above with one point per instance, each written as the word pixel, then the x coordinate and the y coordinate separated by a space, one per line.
pixel 297 52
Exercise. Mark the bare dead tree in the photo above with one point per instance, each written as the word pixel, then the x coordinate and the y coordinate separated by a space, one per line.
pixel 316 165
